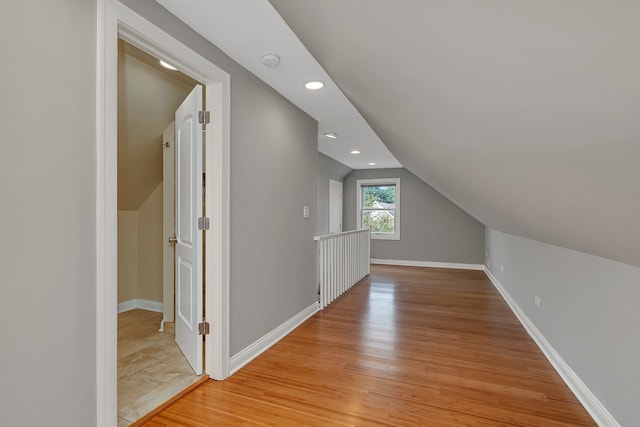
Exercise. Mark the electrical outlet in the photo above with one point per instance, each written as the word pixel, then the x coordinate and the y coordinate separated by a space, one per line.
pixel 502 269
pixel 537 300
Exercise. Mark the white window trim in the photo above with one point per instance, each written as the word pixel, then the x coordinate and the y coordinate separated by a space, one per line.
pixel 379 181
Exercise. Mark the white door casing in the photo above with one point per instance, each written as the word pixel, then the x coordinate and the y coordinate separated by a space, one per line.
pixel 188 153
pixel 335 206
pixel 114 21
pixel 168 223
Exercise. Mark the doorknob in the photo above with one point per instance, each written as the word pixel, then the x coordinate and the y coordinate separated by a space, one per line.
pixel 173 240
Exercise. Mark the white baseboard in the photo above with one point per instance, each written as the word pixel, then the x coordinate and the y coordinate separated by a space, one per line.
pixel 590 402
pixel 127 305
pixel 261 345
pixel 427 264
pixel 143 304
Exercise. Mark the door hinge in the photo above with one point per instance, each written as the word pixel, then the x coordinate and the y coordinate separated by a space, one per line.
pixel 203 328
pixel 204 117
pixel 203 223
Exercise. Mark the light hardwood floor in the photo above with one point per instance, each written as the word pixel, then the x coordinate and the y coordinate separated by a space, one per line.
pixel 151 368
pixel 406 346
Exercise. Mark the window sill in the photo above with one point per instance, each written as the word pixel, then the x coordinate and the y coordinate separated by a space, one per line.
pixel 384 236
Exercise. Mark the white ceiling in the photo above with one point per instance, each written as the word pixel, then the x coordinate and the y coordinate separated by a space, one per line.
pixel 525 114
pixel 245 30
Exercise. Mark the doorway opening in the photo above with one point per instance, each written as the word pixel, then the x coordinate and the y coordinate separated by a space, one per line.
pixel 116 21
pixel 151 366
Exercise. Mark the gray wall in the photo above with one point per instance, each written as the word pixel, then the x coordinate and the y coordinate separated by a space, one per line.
pixel 274 163
pixel 432 228
pixel 47 213
pixel 588 312
pixel 328 168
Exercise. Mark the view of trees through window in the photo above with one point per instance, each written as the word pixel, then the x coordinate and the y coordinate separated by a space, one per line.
pixel 379 208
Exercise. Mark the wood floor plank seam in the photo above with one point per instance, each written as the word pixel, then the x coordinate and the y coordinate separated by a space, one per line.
pixel 406 346
pixel 270 403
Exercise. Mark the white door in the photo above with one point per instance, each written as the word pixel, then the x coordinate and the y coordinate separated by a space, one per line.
pixel 335 206
pixel 168 222
pixel 188 152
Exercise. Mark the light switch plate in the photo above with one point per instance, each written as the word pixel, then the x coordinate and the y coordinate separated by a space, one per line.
pixel 305 212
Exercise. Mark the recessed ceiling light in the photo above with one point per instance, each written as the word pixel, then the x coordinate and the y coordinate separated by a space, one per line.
pixel 314 85
pixel 271 60
pixel 331 135
pixel 371 163
pixel 168 66
pixel 355 152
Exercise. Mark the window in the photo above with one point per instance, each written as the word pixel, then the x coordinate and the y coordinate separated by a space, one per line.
pixel 379 207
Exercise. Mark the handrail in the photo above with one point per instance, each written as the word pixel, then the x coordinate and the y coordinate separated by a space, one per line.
pixel 343 260
pixel 342 233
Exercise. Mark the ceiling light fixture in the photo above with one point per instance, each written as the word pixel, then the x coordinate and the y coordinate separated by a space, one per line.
pixel 270 59
pixel 331 135
pixel 371 163
pixel 168 66
pixel 355 152
pixel 314 85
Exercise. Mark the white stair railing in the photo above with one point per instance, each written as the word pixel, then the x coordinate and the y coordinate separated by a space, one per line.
pixel 343 259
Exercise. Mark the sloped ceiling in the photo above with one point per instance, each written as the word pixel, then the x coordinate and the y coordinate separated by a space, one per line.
pixel 246 30
pixel 525 114
pixel 148 96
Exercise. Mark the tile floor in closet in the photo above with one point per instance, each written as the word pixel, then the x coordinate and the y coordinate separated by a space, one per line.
pixel 151 367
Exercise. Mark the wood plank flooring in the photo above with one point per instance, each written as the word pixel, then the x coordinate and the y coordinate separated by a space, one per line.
pixel 405 347
pixel 151 367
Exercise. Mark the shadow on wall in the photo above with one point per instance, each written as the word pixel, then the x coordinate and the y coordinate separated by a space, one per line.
pixel 433 228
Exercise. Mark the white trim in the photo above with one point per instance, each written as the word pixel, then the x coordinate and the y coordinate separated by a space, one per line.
pixel 217 208
pixel 132 304
pixel 396 221
pixel 589 400
pixel 143 304
pixel 261 345
pixel 106 218
pixel 116 20
pixel 427 264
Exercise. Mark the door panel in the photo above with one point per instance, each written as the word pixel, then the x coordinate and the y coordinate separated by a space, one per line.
pixel 189 239
pixel 335 206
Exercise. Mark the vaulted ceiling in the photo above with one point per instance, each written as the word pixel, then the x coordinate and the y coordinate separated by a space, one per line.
pixel 525 114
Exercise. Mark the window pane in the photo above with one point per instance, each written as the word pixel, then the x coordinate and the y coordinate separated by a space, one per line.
pixel 379 221
pixel 379 207
pixel 378 196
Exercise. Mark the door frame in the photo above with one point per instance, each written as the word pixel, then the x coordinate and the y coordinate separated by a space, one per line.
pixel 114 20
pixel 168 224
